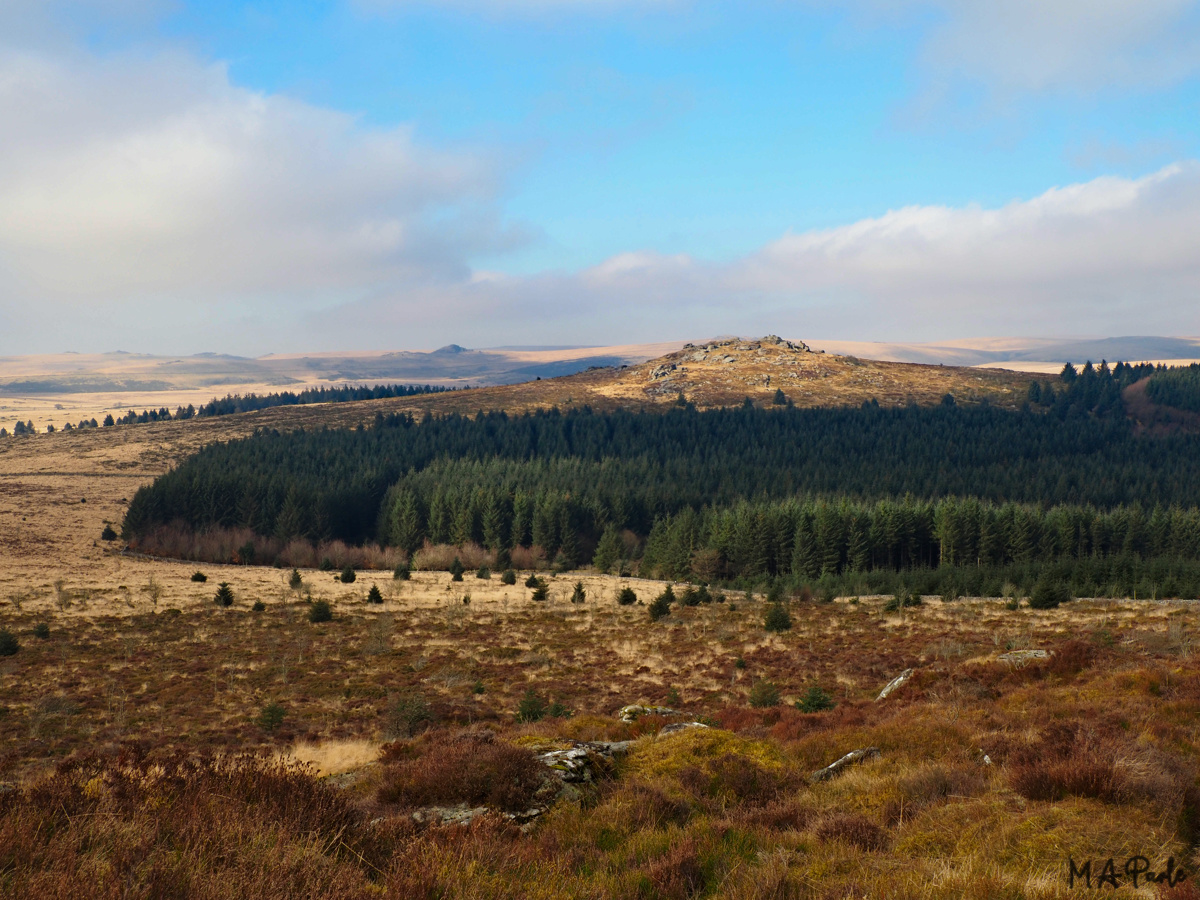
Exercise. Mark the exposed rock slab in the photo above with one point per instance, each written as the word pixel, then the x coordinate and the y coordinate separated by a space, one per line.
pixel 631 713
pixel 854 757
pixel 895 683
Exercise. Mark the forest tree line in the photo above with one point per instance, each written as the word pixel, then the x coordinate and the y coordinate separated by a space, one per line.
pixel 747 486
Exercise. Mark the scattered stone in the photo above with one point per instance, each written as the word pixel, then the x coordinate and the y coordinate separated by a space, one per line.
pixel 583 761
pixel 448 815
pixel 630 714
pixel 896 682
pixel 680 726
pixel 835 768
pixel 1020 657
pixel 662 371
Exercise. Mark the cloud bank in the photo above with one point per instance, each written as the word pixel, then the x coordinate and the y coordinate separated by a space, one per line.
pixel 1112 255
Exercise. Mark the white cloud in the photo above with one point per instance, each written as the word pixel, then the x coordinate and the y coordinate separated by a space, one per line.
pixel 1038 45
pixel 135 177
pixel 1109 256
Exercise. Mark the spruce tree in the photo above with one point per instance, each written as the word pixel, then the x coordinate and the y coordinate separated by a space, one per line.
pixel 661 605
pixel 608 550
pixel 777 618
pixel 224 595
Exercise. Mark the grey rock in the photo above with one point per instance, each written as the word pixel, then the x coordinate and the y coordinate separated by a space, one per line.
pixel 896 682
pixel 629 714
pixel 850 759
pixel 449 815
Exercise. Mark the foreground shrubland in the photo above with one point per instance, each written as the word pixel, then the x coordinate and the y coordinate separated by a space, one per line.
pixel 126 742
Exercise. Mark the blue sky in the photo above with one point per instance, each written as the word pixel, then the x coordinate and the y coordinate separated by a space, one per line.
pixel 258 177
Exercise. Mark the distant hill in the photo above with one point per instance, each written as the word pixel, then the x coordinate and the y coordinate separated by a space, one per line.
pixel 1025 354
pixel 70 387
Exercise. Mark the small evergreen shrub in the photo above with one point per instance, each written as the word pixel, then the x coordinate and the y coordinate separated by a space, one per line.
pixel 270 717
pixel 509 577
pixel 224 595
pixel 541 593
pixel 41 631
pixel 579 595
pixel 661 605
pixel 557 710
pixel 348 575
pixel 108 534
pixel 531 707
pixel 9 645
pixel 456 570
pixel 199 577
pixel 815 700
pixel 296 580
pixel 902 600
pixel 775 591
pixel 478 688
pixel 258 606
pixel 1048 593
pixel 374 595
pixel 320 611
pixel 402 572
pixel 245 554
pixel 532 581
pixel 777 619
pixel 326 565
pixel 627 597
pixel 739 663
pixel 764 694
pixel 484 573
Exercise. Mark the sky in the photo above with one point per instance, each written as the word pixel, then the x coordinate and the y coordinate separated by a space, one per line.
pixel 249 178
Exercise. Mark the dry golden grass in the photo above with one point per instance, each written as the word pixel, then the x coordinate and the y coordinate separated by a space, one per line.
pixel 334 757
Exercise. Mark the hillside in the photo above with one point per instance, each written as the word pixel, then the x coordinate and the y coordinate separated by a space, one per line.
pixel 715 374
